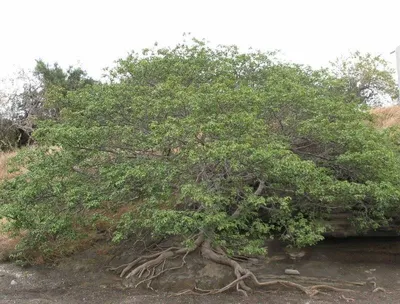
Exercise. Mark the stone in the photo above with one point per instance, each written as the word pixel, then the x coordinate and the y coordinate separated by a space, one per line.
pixel 292 272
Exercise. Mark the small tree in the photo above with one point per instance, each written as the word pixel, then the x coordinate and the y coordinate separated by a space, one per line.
pixel 366 78
pixel 221 148
pixel 34 96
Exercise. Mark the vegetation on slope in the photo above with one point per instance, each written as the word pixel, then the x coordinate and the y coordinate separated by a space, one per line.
pixel 221 148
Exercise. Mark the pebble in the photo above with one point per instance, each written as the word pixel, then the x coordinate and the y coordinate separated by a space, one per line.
pixel 292 272
pixel 13 282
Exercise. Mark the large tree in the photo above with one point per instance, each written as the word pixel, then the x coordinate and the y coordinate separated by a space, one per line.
pixel 221 148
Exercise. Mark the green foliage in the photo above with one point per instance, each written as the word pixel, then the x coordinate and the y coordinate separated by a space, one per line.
pixel 55 83
pixel 70 80
pixel 194 139
pixel 41 94
pixel 366 78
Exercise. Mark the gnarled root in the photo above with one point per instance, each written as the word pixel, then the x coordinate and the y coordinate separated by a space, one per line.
pixel 152 266
pixel 243 274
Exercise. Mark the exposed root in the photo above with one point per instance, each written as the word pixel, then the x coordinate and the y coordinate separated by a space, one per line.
pixel 155 275
pixel 315 280
pixel 242 274
pixel 379 289
pixel 140 259
pixel 152 266
pixel 149 267
pixel 346 299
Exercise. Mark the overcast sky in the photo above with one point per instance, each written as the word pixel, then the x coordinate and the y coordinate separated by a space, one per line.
pixel 93 34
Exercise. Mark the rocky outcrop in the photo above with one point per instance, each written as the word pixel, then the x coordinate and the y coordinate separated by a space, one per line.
pixel 342 226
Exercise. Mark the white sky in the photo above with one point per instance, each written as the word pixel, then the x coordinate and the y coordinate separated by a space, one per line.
pixel 93 34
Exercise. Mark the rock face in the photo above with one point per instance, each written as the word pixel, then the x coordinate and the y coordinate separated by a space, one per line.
pixel 295 253
pixel 342 227
pixel 7 246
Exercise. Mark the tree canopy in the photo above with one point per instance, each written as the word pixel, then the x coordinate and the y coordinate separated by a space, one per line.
pixel 366 78
pixel 199 141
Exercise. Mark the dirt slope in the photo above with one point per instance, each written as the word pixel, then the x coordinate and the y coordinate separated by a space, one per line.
pixel 82 279
pixel 387 117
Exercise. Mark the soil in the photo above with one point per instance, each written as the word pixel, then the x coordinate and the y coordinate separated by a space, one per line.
pixel 82 278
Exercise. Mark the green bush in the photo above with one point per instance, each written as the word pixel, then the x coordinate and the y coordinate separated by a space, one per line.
pixel 237 146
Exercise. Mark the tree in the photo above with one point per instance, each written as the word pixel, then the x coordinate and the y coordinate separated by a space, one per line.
pixel 13 132
pixel 221 148
pixel 26 103
pixel 366 78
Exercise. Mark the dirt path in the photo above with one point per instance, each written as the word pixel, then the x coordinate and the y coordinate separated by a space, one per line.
pixel 82 279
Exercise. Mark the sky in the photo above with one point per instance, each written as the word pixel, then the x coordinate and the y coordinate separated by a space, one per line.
pixel 93 34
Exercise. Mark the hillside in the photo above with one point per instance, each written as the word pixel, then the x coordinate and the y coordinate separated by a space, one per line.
pixel 387 117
